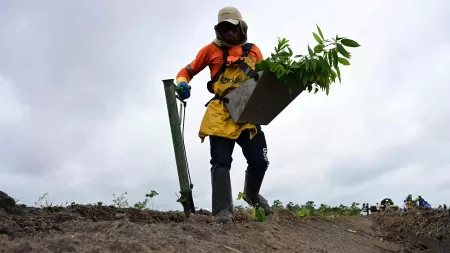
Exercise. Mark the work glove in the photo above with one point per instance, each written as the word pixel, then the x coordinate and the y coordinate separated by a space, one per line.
pixel 183 90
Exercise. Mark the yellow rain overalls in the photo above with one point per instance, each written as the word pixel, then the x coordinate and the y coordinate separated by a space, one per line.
pixel 217 120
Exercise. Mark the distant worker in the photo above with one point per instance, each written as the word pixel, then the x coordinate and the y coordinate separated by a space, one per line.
pixel 367 208
pixel 421 202
pixel 231 60
pixel 387 207
pixel 378 209
pixel 404 207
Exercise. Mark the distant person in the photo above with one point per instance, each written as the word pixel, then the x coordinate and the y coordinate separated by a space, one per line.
pixel 367 208
pixel 445 207
pixel 378 209
pixel 387 207
pixel 421 201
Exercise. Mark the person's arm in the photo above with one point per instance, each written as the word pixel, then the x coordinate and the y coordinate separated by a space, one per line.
pixel 196 66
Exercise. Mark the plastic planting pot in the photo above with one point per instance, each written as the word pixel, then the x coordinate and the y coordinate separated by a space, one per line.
pixel 259 102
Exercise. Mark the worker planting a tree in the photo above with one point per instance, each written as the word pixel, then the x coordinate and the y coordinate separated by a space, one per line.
pixel 231 61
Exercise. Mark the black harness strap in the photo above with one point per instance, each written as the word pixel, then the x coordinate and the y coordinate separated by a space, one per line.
pixel 246 48
pixel 225 100
pixel 221 70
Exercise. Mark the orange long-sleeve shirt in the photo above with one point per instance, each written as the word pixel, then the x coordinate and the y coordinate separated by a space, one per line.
pixel 212 56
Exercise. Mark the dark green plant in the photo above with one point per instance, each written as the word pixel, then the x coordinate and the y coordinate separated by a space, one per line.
pixel 315 71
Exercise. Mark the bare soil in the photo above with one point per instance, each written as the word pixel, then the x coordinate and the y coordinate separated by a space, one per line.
pixel 81 228
pixel 431 228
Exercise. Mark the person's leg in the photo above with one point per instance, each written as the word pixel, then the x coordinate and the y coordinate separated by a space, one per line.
pixel 221 158
pixel 255 152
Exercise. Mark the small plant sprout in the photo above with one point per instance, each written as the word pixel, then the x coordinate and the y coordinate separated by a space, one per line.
pixel 257 213
pixel 148 197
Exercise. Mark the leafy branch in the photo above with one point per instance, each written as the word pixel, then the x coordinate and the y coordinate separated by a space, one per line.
pixel 315 71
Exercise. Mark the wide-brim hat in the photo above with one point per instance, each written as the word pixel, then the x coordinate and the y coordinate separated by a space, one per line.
pixel 229 14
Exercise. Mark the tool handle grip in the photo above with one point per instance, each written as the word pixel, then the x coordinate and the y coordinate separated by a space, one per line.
pixel 181 88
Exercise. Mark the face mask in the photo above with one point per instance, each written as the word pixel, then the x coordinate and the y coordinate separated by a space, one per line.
pixel 229 31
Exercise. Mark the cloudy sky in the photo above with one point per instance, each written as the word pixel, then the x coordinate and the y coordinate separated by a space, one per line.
pixel 83 113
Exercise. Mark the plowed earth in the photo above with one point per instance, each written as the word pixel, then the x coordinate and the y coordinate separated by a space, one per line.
pixel 81 228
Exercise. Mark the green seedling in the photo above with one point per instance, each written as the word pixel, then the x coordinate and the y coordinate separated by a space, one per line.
pixel 257 213
pixel 317 69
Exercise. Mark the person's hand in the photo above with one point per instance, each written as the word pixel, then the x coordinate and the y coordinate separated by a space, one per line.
pixel 183 90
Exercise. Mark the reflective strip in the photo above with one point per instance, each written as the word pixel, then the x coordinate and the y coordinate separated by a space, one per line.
pixel 191 71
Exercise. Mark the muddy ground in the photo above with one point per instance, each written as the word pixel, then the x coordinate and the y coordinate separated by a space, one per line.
pixel 79 228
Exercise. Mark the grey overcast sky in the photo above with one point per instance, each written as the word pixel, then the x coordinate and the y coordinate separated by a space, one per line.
pixel 83 113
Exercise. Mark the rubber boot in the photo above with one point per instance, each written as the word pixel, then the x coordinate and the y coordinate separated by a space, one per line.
pixel 222 199
pixel 252 186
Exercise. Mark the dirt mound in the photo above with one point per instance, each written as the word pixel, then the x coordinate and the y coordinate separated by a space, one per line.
pixel 429 228
pixel 86 228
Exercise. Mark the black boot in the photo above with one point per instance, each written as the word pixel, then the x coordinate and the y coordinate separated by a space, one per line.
pixel 222 198
pixel 252 186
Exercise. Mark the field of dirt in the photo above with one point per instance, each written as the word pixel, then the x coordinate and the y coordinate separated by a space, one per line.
pixel 80 228
pixel 430 227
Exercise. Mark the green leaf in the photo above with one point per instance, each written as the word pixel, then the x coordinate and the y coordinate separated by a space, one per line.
pixel 313 64
pixel 282 54
pixel 290 51
pixel 307 64
pixel 317 38
pixel 262 65
pixel 338 73
pixel 320 32
pixel 311 53
pixel 342 51
pixel 241 196
pixel 344 61
pixel 350 43
pixel 318 49
pixel 304 79
pixel 330 58
pixel 295 65
pixel 260 214
pixel 335 58
pixel 321 62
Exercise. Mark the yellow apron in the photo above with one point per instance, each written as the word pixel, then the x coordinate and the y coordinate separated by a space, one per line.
pixel 217 120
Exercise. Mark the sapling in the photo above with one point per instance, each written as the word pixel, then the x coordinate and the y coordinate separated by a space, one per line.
pixel 316 70
pixel 148 197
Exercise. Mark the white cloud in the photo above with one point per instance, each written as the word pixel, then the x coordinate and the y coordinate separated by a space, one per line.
pixel 12 111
